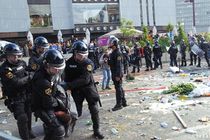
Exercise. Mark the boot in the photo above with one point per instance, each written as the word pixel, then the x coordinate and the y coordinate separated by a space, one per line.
pixel 117 107
pixel 95 120
pixel 67 132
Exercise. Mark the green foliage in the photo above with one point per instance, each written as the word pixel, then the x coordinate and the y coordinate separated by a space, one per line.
pixel 169 27
pixel 127 28
pixel 207 36
pixel 145 32
pixel 181 35
pixel 164 41
pixel 181 89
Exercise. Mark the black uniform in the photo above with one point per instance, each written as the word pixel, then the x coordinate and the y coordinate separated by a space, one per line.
pixel 157 56
pixel 15 81
pixel 45 103
pixel 92 54
pixel 183 53
pixel 193 57
pixel 35 61
pixel 148 57
pixel 204 46
pixel 126 60
pixel 116 66
pixel 81 83
pixel 173 55
pixel 136 59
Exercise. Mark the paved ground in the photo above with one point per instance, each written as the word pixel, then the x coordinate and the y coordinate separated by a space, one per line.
pixel 149 114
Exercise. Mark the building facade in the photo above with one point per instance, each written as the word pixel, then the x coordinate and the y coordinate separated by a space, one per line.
pixel 184 12
pixel 73 17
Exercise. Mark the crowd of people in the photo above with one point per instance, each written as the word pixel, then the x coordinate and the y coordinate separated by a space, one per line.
pixel 41 85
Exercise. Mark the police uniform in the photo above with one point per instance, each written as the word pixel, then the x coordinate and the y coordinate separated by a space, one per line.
pixel 81 83
pixel 183 53
pixel 15 81
pixel 157 56
pixel 173 55
pixel 116 65
pixel 45 102
pixel 148 56
pixel 204 46
pixel 34 61
pixel 136 58
pixel 126 60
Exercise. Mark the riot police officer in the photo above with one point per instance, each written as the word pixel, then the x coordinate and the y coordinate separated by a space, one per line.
pixel 15 79
pixel 204 46
pixel 92 54
pixel 126 60
pixel 44 100
pixel 148 56
pixel 173 50
pixel 183 48
pixel 193 56
pixel 41 45
pixel 79 78
pixel 136 57
pixel 157 55
pixel 116 64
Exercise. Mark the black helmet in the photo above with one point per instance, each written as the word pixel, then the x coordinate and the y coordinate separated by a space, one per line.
pixel 203 39
pixel 54 58
pixel 113 41
pixel 80 47
pixel 41 41
pixel 12 49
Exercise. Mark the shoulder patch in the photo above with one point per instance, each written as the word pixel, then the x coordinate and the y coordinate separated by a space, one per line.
pixel 34 66
pixel 48 91
pixel 9 75
pixel 89 67
pixel 119 58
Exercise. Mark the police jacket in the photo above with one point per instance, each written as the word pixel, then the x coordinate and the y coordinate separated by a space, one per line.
pixel 147 51
pixel 116 63
pixel 79 77
pixel 157 51
pixel 14 78
pixel 183 48
pixel 43 90
pixel 204 46
pixel 173 50
pixel 34 62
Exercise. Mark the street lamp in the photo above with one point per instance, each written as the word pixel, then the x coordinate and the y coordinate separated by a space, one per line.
pixel 193 6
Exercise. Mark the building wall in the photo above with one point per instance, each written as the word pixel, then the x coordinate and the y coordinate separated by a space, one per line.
pixel 14 16
pixel 62 14
pixel 165 12
pixel 202 15
pixel 134 6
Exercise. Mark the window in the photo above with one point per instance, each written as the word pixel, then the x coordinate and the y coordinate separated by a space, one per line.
pixel 95 13
pixel 40 15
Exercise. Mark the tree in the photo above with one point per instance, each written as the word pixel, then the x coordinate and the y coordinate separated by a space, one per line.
pixel 181 34
pixel 127 28
pixel 169 27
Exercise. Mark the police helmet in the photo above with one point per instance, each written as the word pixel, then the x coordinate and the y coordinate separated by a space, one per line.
pixel 12 49
pixel 80 47
pixel 203 39
pixel 42 42
pixel 113 41
pixel 54 58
